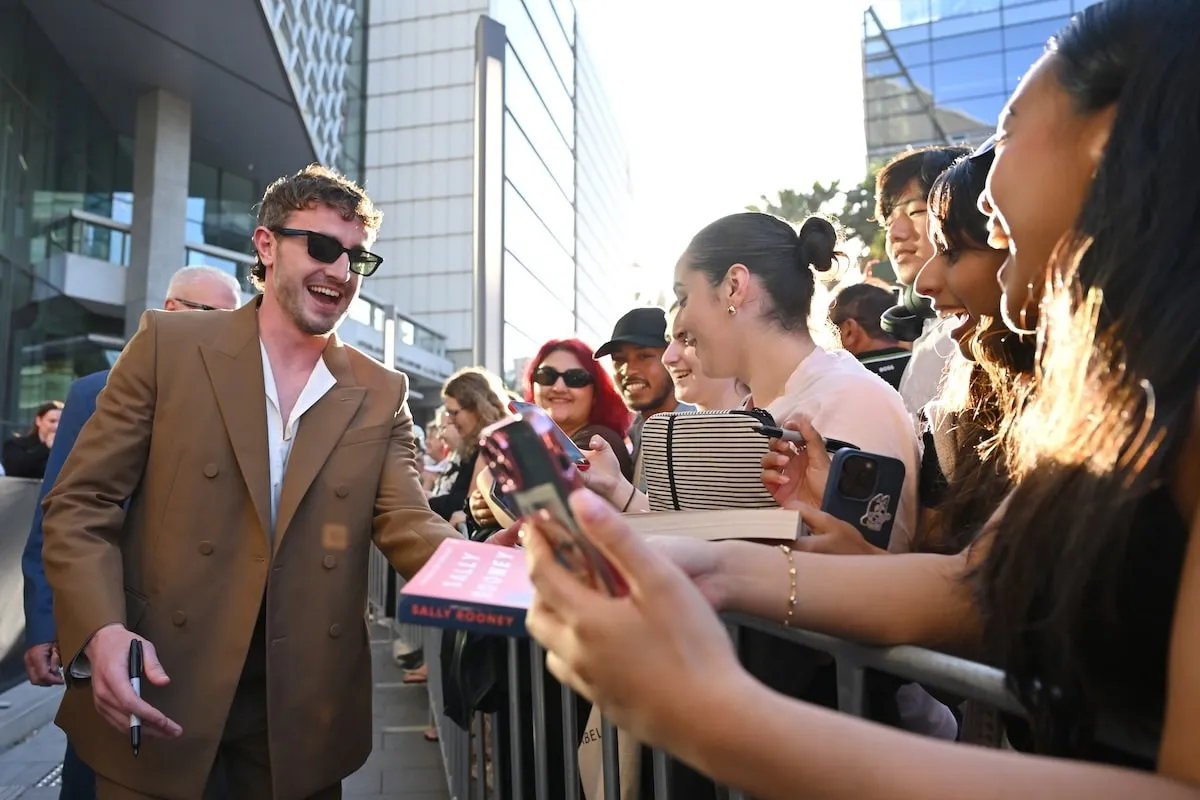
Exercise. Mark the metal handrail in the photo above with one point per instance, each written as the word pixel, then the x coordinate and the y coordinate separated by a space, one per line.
pixel 956 676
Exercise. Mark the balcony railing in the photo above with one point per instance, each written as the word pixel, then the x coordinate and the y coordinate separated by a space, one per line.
pixel 104 239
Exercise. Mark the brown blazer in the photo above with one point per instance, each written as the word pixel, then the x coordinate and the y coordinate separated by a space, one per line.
pixel 180 430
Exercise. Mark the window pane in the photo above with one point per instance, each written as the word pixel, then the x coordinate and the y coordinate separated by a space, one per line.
pixel 971 44
pixel 525 170
pixel 970 23
pixel 968 77
pixel 526 107
pixel 1027 12
pixel 1033 33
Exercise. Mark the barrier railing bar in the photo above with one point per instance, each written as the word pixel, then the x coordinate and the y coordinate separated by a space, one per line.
pixel 662 775
pixel 494 719
pixel 608 757
pixel 461 749
pixel 570 723
pixel 541 755
pixel 958 676
pixel 514 719
pixel 480 759
pixel 851 688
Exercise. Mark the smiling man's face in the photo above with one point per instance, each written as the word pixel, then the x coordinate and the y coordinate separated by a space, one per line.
pixel 907 234
pixel 641 377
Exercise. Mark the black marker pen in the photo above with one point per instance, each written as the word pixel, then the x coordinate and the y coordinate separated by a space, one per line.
pixel 135 680
pixel 787 435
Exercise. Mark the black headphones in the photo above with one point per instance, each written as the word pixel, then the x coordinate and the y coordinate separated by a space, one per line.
pixel 906 321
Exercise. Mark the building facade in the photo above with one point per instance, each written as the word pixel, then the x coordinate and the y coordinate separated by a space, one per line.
pixel 940 71
pixel 131 147
pixel 492 146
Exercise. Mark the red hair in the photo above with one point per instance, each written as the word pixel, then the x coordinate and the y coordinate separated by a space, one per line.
pixel 608 409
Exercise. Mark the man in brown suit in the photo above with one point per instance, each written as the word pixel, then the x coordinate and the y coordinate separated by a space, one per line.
pixel 261 458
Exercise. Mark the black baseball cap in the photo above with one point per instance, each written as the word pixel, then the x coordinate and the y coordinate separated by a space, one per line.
pixel 644 327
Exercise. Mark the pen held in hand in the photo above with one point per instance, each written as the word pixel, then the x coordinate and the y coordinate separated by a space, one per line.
pixel 135 680
pixel 795 437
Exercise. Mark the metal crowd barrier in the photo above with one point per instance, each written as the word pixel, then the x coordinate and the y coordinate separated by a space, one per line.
pixel 466 772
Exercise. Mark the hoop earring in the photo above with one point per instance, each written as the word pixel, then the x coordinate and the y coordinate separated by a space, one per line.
pixel 731 310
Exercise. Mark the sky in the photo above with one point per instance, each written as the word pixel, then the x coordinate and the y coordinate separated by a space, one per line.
pixel 722 101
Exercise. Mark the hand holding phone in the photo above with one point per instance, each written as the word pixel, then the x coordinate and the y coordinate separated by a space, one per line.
pixel 569 447
pixel 531 467
pixel 864 490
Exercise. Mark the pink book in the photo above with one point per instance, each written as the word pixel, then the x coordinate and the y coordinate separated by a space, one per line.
pixel 470 586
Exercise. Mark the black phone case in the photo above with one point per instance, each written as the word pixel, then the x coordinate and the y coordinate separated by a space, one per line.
pixel 874 516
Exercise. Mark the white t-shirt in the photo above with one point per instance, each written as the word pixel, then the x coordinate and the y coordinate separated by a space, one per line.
pixel 931 352
pixel 847 401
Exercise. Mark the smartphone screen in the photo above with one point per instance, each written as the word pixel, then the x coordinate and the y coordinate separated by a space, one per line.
pixel 569 447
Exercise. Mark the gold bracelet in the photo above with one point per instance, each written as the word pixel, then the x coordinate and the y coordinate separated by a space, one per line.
pixel 787 552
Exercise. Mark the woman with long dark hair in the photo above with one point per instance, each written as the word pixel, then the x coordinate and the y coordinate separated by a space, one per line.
pixel 965 469
pixel 26 456
pixel 1085 586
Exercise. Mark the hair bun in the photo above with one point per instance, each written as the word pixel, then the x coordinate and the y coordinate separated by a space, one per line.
pixel 816 244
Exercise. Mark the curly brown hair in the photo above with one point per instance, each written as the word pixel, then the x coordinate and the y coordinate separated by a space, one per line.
pixel 314 185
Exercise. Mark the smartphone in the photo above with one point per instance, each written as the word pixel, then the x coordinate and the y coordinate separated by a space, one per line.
pixel 533 469
pixel 864 489
pixel 570 448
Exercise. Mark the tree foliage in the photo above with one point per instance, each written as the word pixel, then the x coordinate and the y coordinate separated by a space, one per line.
pixel 853 208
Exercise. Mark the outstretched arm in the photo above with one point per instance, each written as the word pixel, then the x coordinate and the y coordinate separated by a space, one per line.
pixel 406 530
pixel 84 512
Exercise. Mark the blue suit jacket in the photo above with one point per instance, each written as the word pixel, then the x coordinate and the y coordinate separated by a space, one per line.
pixel 39 601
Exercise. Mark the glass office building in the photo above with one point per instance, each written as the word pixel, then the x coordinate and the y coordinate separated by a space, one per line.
pixel 89 100
pixel 940 71
pixel 567 191
pixel 539 276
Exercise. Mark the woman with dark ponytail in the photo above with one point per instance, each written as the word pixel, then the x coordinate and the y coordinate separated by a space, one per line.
pixel 745 288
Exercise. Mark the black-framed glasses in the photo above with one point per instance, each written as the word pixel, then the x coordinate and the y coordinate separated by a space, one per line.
pixel 327 250
pixel 575 378
pixel 192 305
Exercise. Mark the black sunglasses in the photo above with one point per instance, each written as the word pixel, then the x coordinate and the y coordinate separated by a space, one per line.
pixel 327 250
pixel 576 378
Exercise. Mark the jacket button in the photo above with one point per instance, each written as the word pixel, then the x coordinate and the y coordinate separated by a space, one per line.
pixel 211 470
pixel 335 630
pixel 179 618
pixel 205 548
pixel 342 490
pixel 329 562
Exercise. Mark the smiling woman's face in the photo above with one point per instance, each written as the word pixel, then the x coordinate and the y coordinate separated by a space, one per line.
pixel 1046 155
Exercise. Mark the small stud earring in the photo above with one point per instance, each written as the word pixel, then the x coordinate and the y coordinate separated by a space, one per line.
pixel 731 310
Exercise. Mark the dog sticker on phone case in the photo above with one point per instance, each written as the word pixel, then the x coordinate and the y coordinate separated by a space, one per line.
pixel 877 514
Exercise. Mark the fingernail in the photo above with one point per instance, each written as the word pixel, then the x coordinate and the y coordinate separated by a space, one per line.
pixel 596 442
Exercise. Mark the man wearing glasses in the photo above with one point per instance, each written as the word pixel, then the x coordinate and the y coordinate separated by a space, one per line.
pixel 262 458
pixel 199 288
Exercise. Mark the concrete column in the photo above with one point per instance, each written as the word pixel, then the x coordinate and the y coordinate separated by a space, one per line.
pixel 161 161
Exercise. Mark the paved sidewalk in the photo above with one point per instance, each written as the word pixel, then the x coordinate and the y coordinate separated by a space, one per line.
pixel 403 766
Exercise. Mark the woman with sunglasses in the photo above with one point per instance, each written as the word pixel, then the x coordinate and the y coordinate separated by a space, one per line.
pixel 569 384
